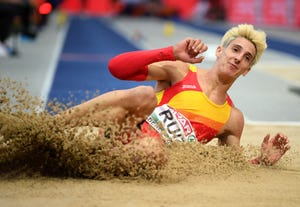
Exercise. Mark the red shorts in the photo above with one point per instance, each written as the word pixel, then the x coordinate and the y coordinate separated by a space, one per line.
pixel 147 130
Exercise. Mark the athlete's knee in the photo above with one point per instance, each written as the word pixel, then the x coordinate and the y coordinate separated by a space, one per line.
pixel 146 97
pixel 148 93
pixel 142 101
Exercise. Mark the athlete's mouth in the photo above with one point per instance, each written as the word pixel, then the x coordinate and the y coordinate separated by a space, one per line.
pixel 233 66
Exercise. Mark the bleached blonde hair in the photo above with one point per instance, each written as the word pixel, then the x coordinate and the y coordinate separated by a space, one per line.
pixel 257 37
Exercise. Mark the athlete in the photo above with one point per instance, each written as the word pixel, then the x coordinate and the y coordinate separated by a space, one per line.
pixel 188 103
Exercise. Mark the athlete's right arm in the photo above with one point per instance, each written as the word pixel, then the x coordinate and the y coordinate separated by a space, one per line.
pixel 135 65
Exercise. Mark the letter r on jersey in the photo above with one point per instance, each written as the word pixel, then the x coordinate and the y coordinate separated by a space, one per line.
pixel 168 115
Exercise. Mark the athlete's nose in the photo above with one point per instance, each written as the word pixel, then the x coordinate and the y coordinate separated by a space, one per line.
pixel 238 58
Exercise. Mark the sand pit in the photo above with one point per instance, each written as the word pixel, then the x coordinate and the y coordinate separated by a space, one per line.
pixel 79 173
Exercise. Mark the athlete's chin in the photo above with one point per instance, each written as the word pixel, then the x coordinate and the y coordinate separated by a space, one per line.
pixel 231 72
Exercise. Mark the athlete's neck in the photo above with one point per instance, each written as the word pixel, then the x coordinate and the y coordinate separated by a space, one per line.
pixel 214 87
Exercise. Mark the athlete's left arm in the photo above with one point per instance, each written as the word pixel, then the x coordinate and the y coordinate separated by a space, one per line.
pixel 232 131
pixel 272 149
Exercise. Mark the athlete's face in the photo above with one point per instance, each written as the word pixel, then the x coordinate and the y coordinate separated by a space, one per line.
pixel 237 57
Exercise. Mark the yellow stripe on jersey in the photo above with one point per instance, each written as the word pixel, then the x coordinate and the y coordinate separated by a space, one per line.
pixel 196 102
pixel 159 95
pixel 193 68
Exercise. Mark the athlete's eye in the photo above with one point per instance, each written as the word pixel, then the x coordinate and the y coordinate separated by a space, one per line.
pixel 248 58
pixel 235 49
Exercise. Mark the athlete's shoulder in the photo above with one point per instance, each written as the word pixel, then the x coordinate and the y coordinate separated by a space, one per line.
pixel 237 117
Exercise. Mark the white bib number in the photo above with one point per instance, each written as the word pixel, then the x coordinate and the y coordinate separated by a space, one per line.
pixel 171 124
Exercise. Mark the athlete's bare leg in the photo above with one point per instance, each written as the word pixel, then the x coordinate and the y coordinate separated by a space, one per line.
pixel 134 105
pixel 116 106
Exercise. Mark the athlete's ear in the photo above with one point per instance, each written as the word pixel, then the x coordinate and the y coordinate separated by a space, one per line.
pixel 218 51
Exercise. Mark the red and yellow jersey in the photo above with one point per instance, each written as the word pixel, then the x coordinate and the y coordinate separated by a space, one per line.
pixel 187 97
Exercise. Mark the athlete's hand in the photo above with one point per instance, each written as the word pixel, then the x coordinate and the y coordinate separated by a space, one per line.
pixel 273 149
pixel 188 50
